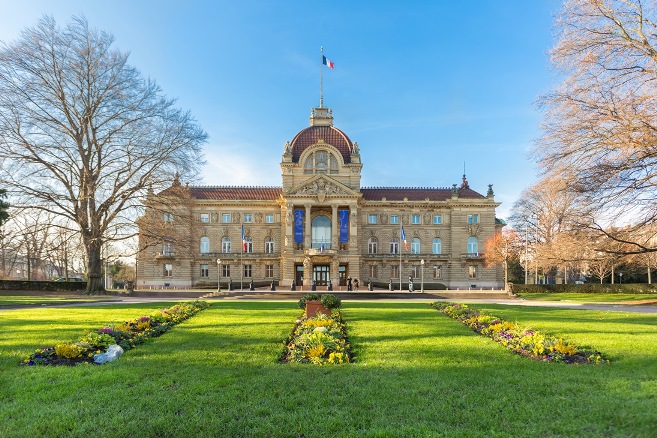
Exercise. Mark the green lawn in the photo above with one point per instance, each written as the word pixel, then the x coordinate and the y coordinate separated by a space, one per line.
pixel 588 298
pixel 418 373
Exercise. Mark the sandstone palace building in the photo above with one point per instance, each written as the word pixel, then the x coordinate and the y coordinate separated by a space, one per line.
pixel 319 226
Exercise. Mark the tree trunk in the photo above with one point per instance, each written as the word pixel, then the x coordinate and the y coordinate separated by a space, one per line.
pixel 94 267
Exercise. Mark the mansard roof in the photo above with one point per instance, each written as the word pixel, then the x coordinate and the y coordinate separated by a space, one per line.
pixel 416 193
pixel 231 193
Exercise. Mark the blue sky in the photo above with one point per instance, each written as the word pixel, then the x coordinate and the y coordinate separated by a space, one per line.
pixel 422 86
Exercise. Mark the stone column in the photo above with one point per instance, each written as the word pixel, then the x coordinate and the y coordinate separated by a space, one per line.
pixel 307 273
pixel 335 228
pixel 307 236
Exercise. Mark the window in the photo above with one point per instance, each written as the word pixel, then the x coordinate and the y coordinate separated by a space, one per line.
pixel 394 219
pixel 436 271
pixel 371 218
pixel 473 218
pixel 394 246
pixel 225 270
pixel 225 218
pixel 205 272
pixel 437 246
pixel 373 271
pixel 269 245
pixel 225 245
pixel 248 218
pixel 168 270
pixel 472 271
pixel 205 245
pixel 437 219
pixel 320 162
pixel 269 218
pixel 394 271
pixel 415 219
pixel 205 217
pixel 167 248
pixel 372 245
pixel 415 246
pixel 249 245
pixel 415 271
pixel 321 232
pixel 269 271
pixel 247 271
pixel 168 217
pixel 473 245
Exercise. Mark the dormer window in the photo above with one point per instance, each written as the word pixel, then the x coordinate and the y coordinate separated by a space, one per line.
pixel 321 162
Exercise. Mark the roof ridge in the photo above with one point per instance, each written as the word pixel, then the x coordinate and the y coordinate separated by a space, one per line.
pixel 404 188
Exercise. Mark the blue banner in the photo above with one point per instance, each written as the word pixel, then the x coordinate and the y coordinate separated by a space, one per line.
pixel 298 226
pixel 344 226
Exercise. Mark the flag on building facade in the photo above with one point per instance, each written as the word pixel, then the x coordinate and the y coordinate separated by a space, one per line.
pixel 326 62
pixel 243 239
pixel 403 238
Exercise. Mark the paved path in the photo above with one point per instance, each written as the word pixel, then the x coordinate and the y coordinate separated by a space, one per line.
pixel 616 307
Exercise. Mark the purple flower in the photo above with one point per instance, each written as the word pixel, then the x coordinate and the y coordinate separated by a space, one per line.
pixel 144 318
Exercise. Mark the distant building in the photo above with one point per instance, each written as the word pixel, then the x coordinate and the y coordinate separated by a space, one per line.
pixel 320 226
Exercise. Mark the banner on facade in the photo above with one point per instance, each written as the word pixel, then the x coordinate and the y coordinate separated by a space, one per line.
pixel 344 226
pixel 298 226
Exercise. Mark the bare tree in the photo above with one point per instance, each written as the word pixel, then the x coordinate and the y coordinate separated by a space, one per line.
pixel 501 248
pixel 84 135
pixel 600 125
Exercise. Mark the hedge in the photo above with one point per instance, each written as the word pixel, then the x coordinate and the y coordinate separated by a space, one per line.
pixel 588 288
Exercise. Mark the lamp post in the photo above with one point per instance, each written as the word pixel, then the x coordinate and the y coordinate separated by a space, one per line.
pixel 620 274
pixel 218 275
pixel 422 273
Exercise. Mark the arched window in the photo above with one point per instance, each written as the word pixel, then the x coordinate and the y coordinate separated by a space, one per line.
pixel 249 245
pixel 320 162
pixel 205 245
pixel 321 232
pixel 225 244
pixel 394 246
pixel 437 246
pixel 372 245
pixel 269 245
pixel 415 245
pixel 473 245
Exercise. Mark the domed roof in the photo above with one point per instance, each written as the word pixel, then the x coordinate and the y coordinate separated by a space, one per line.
pixel 328 134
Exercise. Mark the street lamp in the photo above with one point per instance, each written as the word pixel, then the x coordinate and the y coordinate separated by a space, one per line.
pixel 621 277
pixel 422 272
pixel 218 275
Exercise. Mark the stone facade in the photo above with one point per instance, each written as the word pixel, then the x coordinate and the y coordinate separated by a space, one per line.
pixel 319 226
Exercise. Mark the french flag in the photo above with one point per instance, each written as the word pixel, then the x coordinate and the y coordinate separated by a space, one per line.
pixel 403 237
pixel 243 239
pixel 326 62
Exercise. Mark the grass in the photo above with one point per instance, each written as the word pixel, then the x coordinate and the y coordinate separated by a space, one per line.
pixel 588 298
pixel 418 373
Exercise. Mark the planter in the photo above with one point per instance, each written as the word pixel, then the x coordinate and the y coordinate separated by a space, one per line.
pixel 315 307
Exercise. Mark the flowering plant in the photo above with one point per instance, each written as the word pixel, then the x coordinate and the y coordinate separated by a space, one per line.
pixel 524 341
pixel 127 335
pixel 319 340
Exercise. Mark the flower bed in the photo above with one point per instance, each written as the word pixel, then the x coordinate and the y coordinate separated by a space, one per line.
pixel 319 340
pixel 524 341
pixel 127 335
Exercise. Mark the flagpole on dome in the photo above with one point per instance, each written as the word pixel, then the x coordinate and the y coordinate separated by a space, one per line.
pixel 321 72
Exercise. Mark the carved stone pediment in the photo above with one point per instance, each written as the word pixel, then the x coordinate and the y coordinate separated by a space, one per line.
pixel 321 187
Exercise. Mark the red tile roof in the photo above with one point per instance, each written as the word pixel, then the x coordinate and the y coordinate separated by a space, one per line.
pixel 415 193
pixel 329 134
pixel 232 193
pixel 236 193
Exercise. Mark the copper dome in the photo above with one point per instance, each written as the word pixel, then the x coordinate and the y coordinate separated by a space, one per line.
pixel 329 134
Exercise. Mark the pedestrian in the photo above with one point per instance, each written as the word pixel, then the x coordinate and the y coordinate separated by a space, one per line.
pixel 356 284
